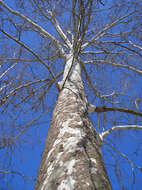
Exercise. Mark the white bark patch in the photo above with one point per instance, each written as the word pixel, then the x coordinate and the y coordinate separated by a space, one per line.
pixel 50 168
pixel 67 184
pixel 68 66
pixel 61 163
pixel 59 155
pixel 51 165
pixel 54 145
pixel 71 144
pixel 66 129
pixel 69 166
pixel 93 160
pixel 72 71
pixel 76 72
pixel 49 171
pixel 94 170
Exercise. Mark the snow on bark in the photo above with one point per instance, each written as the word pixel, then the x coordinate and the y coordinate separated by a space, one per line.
pixel 72 159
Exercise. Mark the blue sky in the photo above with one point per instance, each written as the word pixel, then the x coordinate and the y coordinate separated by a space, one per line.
pixel 25 153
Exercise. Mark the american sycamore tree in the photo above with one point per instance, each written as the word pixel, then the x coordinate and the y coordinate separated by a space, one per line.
pixel 72 68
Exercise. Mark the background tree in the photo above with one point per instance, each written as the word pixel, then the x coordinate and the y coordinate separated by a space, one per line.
pixel 35 36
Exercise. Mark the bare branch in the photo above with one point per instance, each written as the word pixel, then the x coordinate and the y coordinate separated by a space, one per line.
pixel 25 60
pixel 31 51
pixel 27 125
pixel 93 108
pixel 42 30
pixel 108 95
pixel 137 46
pixel 6 71
pixel 50 82
pixel 59 30
pixel 18 173
pixel 119 127
pixel 108 26
pixel 114 64
pixel 124 46
pixel 126 157
pixel 89 81
pixel 92 52
pixel 55 23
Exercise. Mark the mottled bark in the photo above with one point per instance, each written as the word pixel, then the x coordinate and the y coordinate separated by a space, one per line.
pixel 72 159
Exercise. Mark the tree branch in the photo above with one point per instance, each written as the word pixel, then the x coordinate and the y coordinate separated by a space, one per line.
pixel 90 81
pixel 59 30
pixel 108 26
pixel 42 30
pixel 9 68
pixel 92 108
pixel 31 51
pixel 114 64
pixel 135 45
pixel 126 157
pixel 54 21
pixel 16 59
pixel 26 85
pixel 18 173
pixel 119 127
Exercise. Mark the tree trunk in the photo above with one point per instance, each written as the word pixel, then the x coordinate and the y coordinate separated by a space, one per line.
pixel 72 159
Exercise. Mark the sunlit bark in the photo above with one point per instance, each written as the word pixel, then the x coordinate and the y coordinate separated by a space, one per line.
pixel 72 157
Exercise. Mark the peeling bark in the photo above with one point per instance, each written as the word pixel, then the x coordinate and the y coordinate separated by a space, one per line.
pixel 72 159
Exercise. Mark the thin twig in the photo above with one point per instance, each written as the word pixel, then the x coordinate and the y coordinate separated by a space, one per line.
pixel 31 51
pixel 18 173
pixel 42 30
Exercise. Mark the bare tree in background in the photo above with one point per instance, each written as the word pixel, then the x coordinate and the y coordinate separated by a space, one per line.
pixel 88 54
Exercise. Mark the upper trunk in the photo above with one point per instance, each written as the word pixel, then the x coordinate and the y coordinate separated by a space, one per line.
pixel 72 159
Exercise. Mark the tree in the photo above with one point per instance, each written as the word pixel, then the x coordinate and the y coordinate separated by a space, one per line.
pixel 96 46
